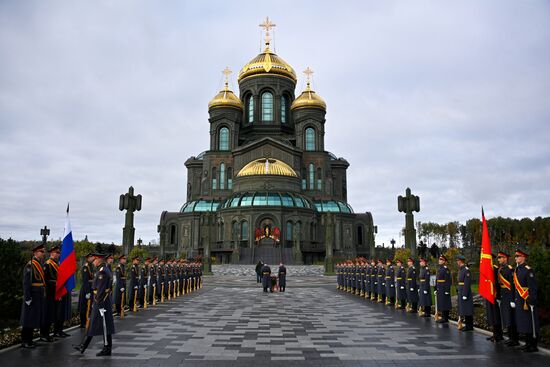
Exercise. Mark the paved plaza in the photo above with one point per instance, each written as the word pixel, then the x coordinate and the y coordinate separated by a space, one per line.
pixel 231 322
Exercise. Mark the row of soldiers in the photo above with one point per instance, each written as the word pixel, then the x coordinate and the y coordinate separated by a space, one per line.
pixel 409 288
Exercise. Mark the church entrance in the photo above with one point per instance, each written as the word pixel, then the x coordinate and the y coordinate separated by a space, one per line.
pixel 267 237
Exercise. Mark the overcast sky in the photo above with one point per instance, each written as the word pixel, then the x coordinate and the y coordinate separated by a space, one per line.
pixel 451 98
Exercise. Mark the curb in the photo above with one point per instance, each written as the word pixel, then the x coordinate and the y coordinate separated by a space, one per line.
pixel 17 346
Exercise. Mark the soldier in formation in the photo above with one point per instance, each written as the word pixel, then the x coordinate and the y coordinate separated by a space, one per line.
pixel 401 285
pixel 85 294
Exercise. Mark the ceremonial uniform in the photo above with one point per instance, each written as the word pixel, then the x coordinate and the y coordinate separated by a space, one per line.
pixel 143 283
pixel 55 311
pixel 266 278
pixel 153 269
pixel 412 289
pixel 507 289
pixel 381 284
pixel 32 307
pixel 492 310
pixel 465 302
pixel 390 284
pixel 424 292
pixel 133 290
pixel 85 294
pixel 400 287
pixel 161 285
pixel 374 282
pixel 282 278
pixel 525 300
pixel 443 295
pixel 120 287
pixel 368 281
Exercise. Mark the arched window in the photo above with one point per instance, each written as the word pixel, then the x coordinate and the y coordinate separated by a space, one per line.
pixel 359 235
pixel 173 233
pixel 310 138
pixel 289 231
pixel 319 179
pixel 234 230
pixel 311 176
pixel 267 106
pixel 224 139
pixel 229 178
pixel 214 179
pixel 250 109
pixel 283 109
pixel 222 176
pixel 244 230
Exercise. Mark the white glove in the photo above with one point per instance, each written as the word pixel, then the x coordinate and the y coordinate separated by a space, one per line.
pixel 513 304
pixel 88 295
pixel 122 289
pixel 464 298
pixel 401 287
pixel 136 287
pixel 426 292
pixel 446 292
pixel 145 286
pixel 28 302
pixel 391 285
pixel 412 289
pixel 435 292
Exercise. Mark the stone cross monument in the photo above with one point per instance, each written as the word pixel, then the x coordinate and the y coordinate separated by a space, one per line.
pixel 407 204
pixel 45 232
pixel 130 203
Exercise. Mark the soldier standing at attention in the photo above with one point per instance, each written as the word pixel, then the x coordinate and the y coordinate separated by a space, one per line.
pixel 85 295
pixel 374 281
pixel 50 310
pixel 120 284
pixel 282 277
pixel 266 278
pixel 153 269
pixel 425 293
pixel 381 282
pixel 161 280
pixel 412 286
pixel 134 284
pixel 443 290
pixel 143 280
pixel 259 266
pixel 505 280
pixel 400 286
pixel 525 301
pixel 493 309
pixel 368 271
pixel 101 318
pixel 32 307
pixel 465 302
pixel 390 282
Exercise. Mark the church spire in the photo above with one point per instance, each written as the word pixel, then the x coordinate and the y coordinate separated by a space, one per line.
pixel 267 25
pixel 226 72
pixel 308 73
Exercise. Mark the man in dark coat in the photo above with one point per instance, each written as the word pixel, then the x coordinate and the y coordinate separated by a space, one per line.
pixel 443 290
pixel 120 285
pixel 411 286
pixel 53 314
pixel 525 301
pixel 368 271
pixel 505 279
pixel 492 310
pixel 143 282
pixel 133 289
pixel 424 291
pixel 85 294
pixel 374 280
pixel 464 297
pixel 161 283
pixel 266 278
pixel 259 266
pixel 400 285
pixel 153 273
pixel 381 282
pixel 32 307
pixel 101 317
pixel 390 283
pixel 282 277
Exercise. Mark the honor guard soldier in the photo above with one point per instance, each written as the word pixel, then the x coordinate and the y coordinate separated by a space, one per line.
pixel 54 310
pixel 144 281
pixel 133 289
pixel 337 268
pixel 181 277
pixel 266 278
pixel 153 272
pixel 400 285
pixel 187 276
pixel 282 277
pixel 161 281
pixel 357 283
pixel 505 278
pixel 85 294
pixel 443 291
pixel 424 291
pixel 412 286
pixel 368 271
pixel 120 285
pixel 381 282
pixel 390 283
pixel 101 317
pixel 374 281
pixel 465 302
pixel 168 279
pixel 493 309
pixel 32 308
pixel 525 301
pixel 363 278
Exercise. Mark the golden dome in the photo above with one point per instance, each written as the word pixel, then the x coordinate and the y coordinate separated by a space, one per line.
pixel 225 98
pixel 267 166
pixel 308 99
pixel 267 62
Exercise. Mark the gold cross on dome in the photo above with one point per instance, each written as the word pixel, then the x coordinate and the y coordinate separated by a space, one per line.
pixel 308 72
pixel 267 25
pixel 226 72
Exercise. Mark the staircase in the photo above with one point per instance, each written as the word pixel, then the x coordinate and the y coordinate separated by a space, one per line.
pixel 267 253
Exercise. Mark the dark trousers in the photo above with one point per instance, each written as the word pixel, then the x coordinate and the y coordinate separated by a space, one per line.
pixel 26 335
pixel 88 340
pixel 469 321
pixel 403 303
pixel 258 278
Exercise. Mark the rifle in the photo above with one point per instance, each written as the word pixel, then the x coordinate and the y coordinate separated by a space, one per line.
pixel 162 293
pixel 122 305
pixel 532 319
pixel 437 316
pixel 154 294
pixel 102 313
pixel 88 312
pixel 169 284
pixel 460 324
pixel 145 296
pixel 135 299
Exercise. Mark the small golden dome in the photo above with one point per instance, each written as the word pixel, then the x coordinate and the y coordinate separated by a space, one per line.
pixel 267 166
pixel 267 62
pixel 225 98
pixel 308 99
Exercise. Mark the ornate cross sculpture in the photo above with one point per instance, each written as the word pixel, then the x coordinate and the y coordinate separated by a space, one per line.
pixel 45 232
pixel 267 25
pixel 407 204
pixel 308 73
pixel 226 72
pixel 130 203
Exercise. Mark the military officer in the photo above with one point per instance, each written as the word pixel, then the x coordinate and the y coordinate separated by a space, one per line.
pixel 51 268
pixel 282 277
pixel 390 282
pixel 424 291
pixel 374 280
pixel 357 277
pixel 161 280
pixel 464 297
pixel 443 290
pixel 144 281
pixel 133 289
pixel 381 282
pixel 101 317
pixel 153 272
pixel 368 271
pixel 120 284
pixel 505 279
pixel 85 294
pixel 266 278
pixel 168 279
pixel 493 309
pixel 525 301
pixel 32 307
pixel 412 286
pixel 400 285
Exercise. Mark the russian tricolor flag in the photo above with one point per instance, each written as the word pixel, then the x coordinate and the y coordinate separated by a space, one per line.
pixel 67 263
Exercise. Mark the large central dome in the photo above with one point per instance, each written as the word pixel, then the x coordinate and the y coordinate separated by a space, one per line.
pixel 267 166
pixel 267 62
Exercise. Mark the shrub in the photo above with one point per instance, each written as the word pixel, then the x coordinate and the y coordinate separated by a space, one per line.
pixel 11 268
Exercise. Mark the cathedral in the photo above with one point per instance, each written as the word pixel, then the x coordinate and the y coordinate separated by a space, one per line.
pixel 266 188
